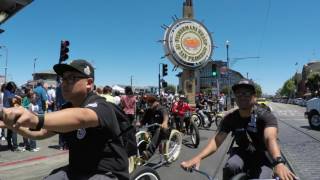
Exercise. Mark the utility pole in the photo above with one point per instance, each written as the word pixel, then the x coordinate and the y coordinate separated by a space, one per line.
pixel 228 73
pixel 34 66
pixel 159 78
pixel 6 63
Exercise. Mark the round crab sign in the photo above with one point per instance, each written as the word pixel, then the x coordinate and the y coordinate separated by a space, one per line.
pixel 188 44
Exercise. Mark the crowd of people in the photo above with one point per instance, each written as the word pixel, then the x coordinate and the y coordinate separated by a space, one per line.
pixel 38 100
pixel 86 120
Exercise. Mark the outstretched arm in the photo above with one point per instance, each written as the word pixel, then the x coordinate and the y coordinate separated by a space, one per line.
pixel 212 146
pixel 270 137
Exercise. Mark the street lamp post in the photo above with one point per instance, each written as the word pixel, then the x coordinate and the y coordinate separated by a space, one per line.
pixel 6 63
pixel 228 73
pixel 34 66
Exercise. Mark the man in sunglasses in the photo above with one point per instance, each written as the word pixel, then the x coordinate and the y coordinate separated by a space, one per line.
pixel 89 126
pixel 255 132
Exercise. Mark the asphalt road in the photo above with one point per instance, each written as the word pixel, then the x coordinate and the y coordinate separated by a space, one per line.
pixel 298 141
pixel 212 164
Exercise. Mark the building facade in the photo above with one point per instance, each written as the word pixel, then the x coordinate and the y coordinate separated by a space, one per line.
pixel 205 79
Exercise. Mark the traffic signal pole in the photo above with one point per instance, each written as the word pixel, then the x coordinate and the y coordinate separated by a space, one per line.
pixel 159 77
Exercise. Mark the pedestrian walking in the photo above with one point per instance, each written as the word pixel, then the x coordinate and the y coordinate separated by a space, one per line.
pixel 128 103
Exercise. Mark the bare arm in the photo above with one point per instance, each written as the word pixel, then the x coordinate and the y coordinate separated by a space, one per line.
pixel 212 146
pixel 165 120
pixel 36 135
pixel 270 137
pixel 25 132
pixel 60 121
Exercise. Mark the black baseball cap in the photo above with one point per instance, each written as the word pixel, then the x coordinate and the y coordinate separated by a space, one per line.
pixel 245 83
pixel 78 65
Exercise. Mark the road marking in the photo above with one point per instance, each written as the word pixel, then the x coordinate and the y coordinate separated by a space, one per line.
pixel 5 164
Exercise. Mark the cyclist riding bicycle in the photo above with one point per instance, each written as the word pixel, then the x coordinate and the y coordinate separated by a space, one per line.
pixel 155 114
pixel 89 126
pixel 202 106
pixel 181 112
pixel 255 132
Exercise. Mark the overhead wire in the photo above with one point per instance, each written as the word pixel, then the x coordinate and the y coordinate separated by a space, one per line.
pixel 265 24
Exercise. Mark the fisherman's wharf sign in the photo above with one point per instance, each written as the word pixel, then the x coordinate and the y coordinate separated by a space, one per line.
pixel 188 44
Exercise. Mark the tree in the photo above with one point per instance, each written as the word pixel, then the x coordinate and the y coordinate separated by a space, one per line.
pixel 225 90
pixel 170 88
pixel 313 83
pixel 258 89
pixel 288 88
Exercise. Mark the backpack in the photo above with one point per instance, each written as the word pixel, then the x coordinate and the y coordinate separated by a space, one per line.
pixel 127 131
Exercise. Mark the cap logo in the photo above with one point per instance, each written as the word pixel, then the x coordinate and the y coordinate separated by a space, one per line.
pixel 87 70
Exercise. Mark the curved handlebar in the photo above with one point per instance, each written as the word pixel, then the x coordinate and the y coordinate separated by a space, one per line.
pixel 202 173
pixel 151 125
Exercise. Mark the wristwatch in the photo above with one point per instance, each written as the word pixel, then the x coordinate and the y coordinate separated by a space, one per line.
pixel 278 160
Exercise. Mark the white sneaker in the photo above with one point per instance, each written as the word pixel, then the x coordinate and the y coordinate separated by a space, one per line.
pixel 34 150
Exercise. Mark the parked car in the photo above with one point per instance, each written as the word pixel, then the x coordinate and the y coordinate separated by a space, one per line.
pixel 313 113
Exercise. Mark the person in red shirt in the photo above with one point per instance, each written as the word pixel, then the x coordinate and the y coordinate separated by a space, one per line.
pixel 181 112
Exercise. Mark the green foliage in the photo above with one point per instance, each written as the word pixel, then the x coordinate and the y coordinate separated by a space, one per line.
pixel 170 88
pixel 207 91
pixel 258 89
pixel 313 83
pixel 225 90
pixel 288 88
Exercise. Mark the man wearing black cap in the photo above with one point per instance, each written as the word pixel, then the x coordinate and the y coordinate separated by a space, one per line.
pixel 255 132
pixel 88 126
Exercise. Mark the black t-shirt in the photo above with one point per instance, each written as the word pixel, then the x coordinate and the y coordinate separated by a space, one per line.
pixel 154 115
pixel 200 103
pixel 89 149
pixel 250 129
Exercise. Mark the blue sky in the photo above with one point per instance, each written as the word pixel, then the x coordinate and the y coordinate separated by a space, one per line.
pixel 120 37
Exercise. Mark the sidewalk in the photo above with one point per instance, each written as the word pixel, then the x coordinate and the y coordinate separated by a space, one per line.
pixel 48 148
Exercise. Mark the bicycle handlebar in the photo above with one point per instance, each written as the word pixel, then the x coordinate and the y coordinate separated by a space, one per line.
pixel 193 169
pixel 202 173
pixel 150 125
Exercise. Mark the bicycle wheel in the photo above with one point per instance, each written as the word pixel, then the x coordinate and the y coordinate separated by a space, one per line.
pixel 196 119
pixel 193 131
pixel 143 139
pixel 144 173
pixel 132 165
pixel 172 146
pixel 240 176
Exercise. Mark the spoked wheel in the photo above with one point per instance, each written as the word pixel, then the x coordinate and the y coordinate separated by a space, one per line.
pixel 143 139
pixel 172 146
pixel 144 173
pixel 193 131
pixel 195 118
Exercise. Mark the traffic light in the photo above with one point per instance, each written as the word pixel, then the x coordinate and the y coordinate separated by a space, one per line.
pixel 214 70
pixel 64 51
pixel 164 84
pixel 164 69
